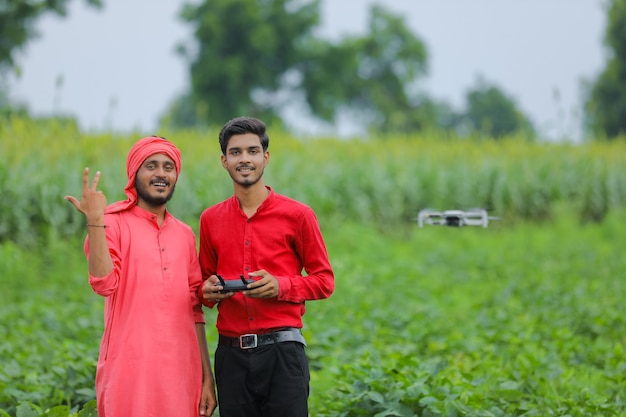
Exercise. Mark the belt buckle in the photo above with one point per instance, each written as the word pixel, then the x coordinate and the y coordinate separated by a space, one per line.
pixel 248 341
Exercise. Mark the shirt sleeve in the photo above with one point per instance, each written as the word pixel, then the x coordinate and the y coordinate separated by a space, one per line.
pixel 319 281
pixel 207 257
pixel 195 280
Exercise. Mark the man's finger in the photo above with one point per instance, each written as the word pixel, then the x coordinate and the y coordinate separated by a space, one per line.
pixel 85 179
pixel 72 200
pixel 96 180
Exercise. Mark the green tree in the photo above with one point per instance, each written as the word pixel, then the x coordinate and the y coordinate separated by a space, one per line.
pixel 17 27
pixel 491 112
pixel 17 19
pixel 372 78
pixel 245 50
pixel 606 103
pixel 258 56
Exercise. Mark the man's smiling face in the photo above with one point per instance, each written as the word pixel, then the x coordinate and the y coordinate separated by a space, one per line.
pixel 155 181
pixel 245 159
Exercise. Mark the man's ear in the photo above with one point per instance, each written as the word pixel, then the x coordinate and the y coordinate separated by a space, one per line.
pixel 223 158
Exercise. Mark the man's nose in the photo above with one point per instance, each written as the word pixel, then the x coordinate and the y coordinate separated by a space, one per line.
pixel 160 171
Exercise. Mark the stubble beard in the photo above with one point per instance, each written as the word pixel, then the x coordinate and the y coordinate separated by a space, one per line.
pixel 246 182
pixel 151 200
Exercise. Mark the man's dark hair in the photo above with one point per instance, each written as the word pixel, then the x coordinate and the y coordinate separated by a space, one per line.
pixel 240 126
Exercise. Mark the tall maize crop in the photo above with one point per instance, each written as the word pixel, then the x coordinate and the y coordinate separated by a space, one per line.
pixel 378 181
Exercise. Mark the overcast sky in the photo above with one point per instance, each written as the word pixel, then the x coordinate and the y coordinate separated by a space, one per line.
pixel 117 69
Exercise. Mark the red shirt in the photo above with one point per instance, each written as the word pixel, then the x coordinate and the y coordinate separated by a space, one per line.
pixel 150 315
pixel 283 237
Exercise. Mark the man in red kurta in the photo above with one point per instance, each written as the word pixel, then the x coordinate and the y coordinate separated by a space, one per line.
pixel 261 368
pixel 153 355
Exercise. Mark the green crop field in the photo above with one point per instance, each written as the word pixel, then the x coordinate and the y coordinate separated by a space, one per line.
pixel 523 318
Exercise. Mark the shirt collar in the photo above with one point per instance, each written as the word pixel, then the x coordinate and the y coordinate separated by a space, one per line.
pixel 144 214
pixel 265 202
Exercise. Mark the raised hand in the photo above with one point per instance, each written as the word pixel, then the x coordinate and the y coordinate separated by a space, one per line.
pixel 93 202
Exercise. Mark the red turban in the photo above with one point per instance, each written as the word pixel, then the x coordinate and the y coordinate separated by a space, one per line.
pixel 140 151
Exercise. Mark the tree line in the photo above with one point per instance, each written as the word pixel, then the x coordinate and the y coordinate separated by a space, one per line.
pixel 259 57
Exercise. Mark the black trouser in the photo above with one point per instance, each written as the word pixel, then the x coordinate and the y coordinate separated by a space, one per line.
pixel 266 381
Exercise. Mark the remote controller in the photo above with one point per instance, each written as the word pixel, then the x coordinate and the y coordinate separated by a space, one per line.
pixel 234 285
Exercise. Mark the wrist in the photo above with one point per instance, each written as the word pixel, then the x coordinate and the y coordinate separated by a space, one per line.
pixel 96 219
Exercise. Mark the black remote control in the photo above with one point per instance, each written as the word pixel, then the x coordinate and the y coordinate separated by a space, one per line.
pixel 234 285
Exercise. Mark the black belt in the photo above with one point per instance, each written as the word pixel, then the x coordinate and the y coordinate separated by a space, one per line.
pixel 250 341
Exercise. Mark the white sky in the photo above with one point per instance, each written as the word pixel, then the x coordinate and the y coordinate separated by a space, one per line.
pixel 117 69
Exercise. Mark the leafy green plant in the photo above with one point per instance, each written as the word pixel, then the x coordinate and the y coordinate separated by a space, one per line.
pixel 523 318
pixel 378 181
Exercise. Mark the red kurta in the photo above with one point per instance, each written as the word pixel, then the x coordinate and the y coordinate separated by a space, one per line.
pixel 283 237
pixel 149 362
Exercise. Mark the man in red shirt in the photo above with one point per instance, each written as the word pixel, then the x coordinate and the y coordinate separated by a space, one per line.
pixel 260 363
pixel 153 357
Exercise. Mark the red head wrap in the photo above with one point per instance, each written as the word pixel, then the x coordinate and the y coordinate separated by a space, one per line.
pixel 140 151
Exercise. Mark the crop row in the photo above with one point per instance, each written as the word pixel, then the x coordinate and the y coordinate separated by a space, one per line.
pixel 384 181
pixel 524 320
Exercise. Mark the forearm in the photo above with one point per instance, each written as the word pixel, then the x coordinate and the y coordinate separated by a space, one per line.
pixel 317 286
pixel 319 282
pixel 208 402
pixel 99 259
pixel 207 374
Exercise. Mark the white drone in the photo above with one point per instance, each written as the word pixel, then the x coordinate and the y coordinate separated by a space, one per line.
pixel 456 218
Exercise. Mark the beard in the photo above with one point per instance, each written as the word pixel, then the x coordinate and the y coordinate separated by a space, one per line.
pixel 152 200
pixel 247 181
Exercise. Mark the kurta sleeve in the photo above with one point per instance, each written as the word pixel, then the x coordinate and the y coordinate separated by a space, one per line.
pixel 195 280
